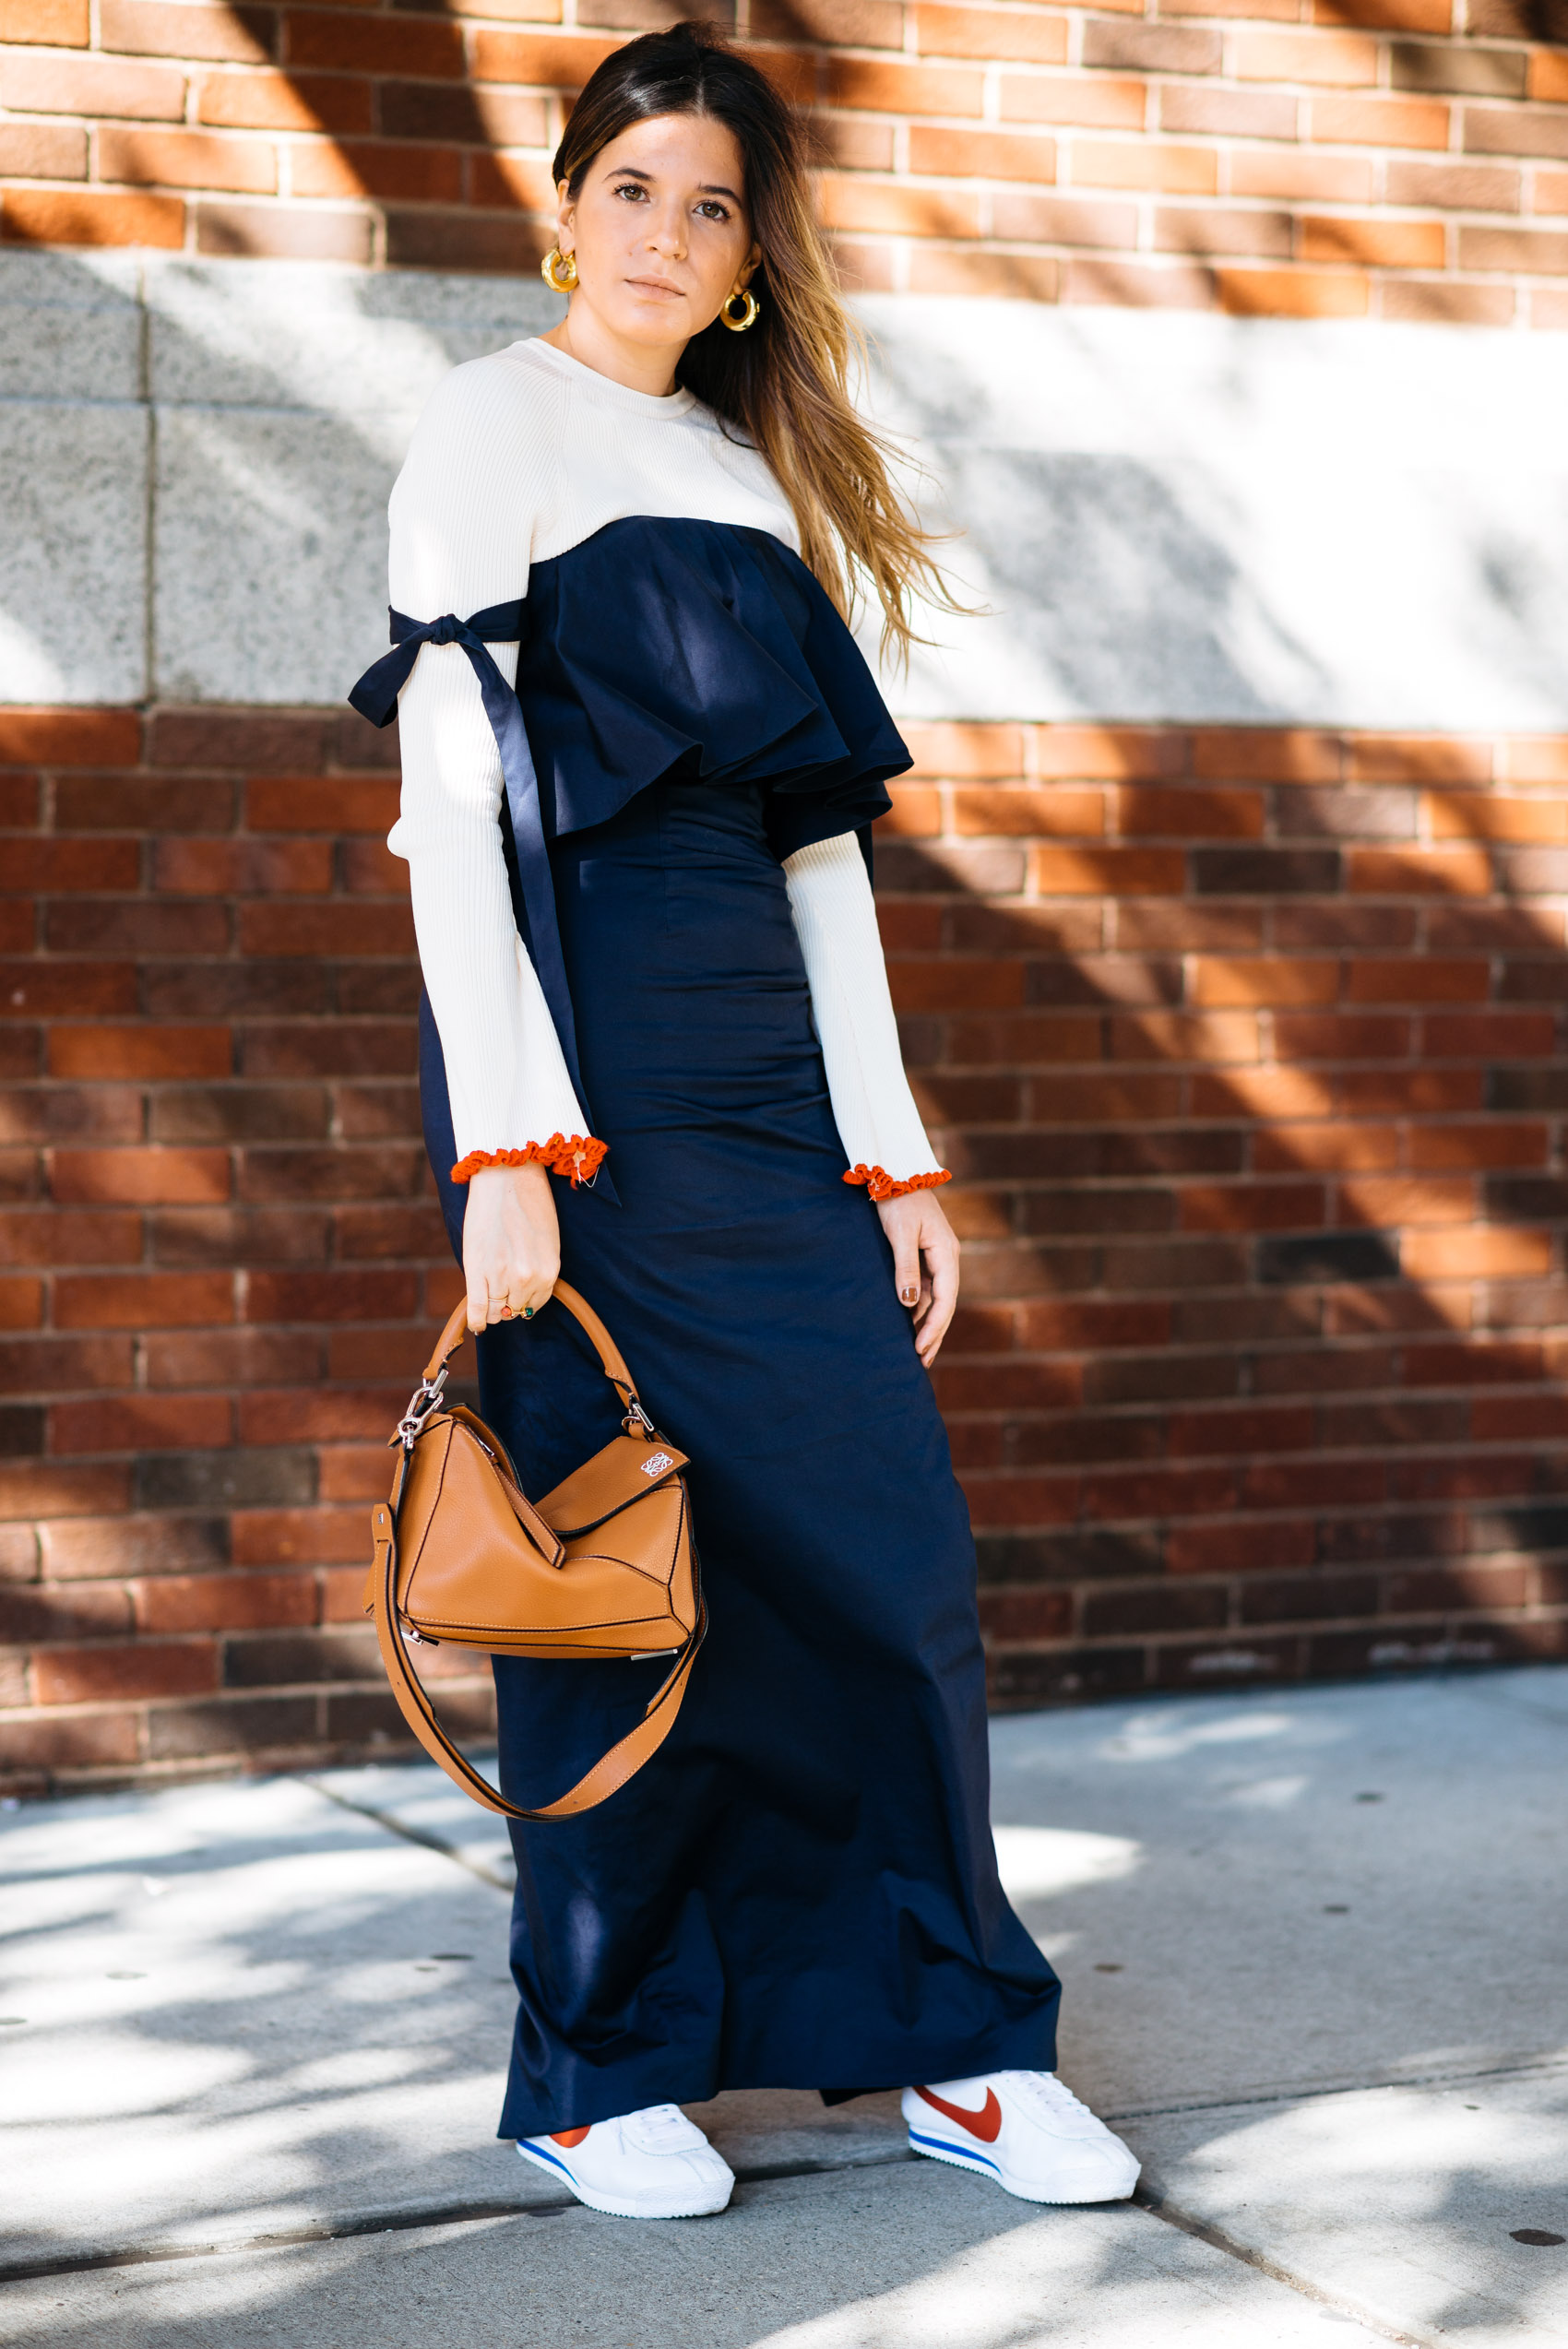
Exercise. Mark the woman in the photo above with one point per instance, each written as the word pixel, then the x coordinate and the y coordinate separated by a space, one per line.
pixel 683 1090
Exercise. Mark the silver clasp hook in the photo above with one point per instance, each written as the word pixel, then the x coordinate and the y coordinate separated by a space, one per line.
pixel 636 1421
pixel 422 1403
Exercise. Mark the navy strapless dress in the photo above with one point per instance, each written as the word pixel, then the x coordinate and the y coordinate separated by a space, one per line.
pixel 799 1890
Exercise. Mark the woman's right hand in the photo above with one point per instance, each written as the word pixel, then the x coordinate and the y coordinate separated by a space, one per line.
pixel 511 1242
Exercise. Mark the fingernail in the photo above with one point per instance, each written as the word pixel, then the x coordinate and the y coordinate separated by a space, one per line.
pixel 908 1295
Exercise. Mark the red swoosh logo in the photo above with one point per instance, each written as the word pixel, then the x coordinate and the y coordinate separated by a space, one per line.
pixel 986 2124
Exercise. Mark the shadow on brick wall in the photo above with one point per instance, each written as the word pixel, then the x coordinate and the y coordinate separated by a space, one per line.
pixel 1245 1045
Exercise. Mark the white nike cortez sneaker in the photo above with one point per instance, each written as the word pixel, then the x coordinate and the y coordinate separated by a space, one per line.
pixel 651 2165
pixel 1025 2130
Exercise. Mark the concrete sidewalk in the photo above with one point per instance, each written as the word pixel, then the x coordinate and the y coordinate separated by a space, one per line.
pixel 1315 1951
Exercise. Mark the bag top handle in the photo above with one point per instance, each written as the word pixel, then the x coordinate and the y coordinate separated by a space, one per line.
pixel 609 1353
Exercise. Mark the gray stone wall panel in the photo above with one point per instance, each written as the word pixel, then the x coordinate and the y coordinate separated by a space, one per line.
pixel 70 327
pixel 73 552
pixel 1162 516
pixel 269 555
pixel 286 334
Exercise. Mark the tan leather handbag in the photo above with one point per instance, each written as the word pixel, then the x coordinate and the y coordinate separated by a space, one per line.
pixel 602 1566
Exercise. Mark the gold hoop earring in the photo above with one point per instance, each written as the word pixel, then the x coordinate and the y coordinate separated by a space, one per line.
pixel 566 263
pixel 750 310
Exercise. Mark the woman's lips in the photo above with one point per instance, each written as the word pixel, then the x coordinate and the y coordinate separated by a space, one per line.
pixel 655 286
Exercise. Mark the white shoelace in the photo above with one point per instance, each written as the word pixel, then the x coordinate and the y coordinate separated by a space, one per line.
pixel 662 2128
pixel 1054 2098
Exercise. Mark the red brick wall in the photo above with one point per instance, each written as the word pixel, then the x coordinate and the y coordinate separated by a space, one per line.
pixel 1404 158
pixel 1247 1050
pixel 224 1261
pixel 1248 1047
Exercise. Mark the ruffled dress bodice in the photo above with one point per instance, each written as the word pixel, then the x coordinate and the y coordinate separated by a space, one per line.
pixel 663 648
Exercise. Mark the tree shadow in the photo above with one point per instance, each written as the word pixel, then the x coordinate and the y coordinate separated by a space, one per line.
pixel 283 2040
pixel 238 1999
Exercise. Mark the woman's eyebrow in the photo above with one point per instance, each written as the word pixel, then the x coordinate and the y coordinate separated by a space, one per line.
pixel 631 172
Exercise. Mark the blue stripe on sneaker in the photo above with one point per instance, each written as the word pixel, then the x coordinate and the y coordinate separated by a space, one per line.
pixel 545 2154
pixel 945 2145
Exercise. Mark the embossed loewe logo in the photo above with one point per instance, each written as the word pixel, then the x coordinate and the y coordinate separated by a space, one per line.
pixel 986 2124
pixel 657 1464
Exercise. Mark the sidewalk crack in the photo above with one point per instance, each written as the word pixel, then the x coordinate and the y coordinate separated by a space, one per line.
pixel 422 1836
pixel 1149 2196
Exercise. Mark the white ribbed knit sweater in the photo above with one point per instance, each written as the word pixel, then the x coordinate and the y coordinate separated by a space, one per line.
pixel 520 458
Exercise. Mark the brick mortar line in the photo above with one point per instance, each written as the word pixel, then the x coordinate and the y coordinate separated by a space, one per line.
pixel 1175 1638
pixel 1373 211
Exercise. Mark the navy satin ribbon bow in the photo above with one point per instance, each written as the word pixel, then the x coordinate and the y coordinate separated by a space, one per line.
pixel 375 697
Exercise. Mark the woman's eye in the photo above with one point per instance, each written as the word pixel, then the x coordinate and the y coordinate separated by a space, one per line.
pixel 630 187
pixel 713 211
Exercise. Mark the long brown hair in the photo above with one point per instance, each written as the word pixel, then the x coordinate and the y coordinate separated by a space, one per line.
pixel 784 382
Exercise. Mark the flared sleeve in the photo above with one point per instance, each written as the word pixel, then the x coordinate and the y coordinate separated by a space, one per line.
pixel 875 1110
pixel 478 484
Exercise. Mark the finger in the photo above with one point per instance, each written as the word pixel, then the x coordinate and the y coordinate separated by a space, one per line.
pixel 906 1267
pixel 478 1303
pixel 943 1264
pixel 945 1277
pixel 933 1237
pixel 929 1343
pixel 529 1288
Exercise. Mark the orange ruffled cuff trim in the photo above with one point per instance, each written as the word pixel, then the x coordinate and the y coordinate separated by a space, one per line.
pixel 880 1184
pixel 580 1157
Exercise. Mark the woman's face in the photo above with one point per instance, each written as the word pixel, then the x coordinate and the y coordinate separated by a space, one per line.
pixel 660 229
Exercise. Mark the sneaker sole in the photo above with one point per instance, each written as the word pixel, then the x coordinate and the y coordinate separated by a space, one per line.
pixel 938 2149
pixel 704 2207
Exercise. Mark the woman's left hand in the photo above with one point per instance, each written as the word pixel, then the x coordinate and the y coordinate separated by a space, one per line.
pixel 925 1265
